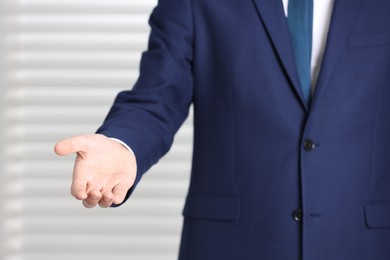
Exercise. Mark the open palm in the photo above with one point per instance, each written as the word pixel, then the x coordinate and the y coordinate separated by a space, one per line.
pixel 104 170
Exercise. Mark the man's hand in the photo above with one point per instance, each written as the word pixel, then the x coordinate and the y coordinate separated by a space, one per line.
pixel 104 170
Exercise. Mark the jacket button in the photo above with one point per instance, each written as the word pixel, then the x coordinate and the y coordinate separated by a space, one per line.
pixel 298 215
pixel 309 145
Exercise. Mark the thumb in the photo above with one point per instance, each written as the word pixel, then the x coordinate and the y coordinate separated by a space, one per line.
pixel 71 145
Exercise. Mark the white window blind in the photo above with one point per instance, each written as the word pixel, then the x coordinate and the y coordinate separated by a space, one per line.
pixel 63 62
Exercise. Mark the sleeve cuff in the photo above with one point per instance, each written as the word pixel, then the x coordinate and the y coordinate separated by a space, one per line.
pixel 123 143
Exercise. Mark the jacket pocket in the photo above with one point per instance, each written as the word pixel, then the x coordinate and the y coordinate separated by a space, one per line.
pixel 224 207
pixel 368 40
pixel 377 215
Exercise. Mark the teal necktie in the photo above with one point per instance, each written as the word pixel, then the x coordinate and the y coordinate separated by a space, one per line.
pixel 300 23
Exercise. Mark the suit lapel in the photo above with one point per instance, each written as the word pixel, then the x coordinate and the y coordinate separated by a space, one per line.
pixel 343 16
pixel 272 14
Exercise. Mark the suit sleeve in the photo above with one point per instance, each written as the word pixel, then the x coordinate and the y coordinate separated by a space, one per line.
pixel 147 117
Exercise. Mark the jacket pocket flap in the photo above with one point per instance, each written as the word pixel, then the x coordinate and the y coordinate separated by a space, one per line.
pixel 368 40
pixel 212 207
pixel 377 215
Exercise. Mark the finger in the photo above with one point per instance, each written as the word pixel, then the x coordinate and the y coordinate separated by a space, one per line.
pixel 79 191
pixel 93 198
pixel 87 205
pixel 106 200
pixel 72 145
pixel 120 192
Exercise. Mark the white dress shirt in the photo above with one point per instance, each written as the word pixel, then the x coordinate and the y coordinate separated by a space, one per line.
pixel 322 13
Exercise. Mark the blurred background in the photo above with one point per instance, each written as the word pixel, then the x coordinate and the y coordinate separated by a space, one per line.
pixel 62 64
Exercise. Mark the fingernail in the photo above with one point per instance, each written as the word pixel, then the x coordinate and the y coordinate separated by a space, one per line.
pixel 87 205
pixel 94 197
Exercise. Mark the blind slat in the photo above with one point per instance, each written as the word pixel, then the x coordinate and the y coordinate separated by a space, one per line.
pixel 65 61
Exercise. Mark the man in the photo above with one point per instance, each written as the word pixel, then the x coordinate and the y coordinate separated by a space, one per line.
pixel 278 172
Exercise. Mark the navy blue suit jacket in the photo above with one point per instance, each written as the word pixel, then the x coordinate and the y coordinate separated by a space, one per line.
pixel 253 165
